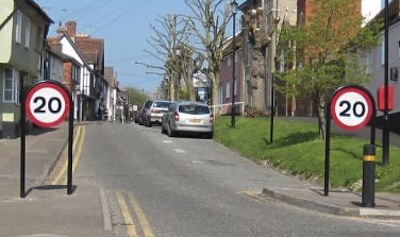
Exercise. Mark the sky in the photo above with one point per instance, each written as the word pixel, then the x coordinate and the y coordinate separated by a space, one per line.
pixel 124 25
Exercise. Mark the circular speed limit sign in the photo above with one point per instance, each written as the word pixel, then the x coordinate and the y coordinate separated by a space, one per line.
pixel 47 104
pixel 351 107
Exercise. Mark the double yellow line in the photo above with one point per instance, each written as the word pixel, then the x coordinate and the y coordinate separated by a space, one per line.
pixel 131 224
pixel 78 139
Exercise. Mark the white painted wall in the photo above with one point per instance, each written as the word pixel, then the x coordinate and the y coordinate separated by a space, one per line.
pixel 69 50
pixel 374 59
pixel 370 8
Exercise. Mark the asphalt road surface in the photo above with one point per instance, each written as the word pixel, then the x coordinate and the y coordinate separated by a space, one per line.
pixel 187 186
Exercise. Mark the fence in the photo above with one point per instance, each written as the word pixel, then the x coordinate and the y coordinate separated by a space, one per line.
pixel 225 109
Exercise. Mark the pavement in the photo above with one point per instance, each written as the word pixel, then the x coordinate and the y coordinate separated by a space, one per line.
pixel 338 201
pixel 47 210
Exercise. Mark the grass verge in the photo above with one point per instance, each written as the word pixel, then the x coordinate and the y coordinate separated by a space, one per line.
pixel 297 149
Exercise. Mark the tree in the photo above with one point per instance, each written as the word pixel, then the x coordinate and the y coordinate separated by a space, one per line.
pixel 208 25
pixel 188 66
pixel 166 43
pixel 136 96
pixel 325 52
pixel 259 40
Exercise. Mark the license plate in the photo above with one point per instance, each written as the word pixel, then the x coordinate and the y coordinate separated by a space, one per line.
pixel 197 121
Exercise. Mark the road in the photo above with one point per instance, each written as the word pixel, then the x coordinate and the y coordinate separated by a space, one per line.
pixel 187 186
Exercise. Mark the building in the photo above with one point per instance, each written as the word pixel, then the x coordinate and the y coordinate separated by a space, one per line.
pixel 23 30
pixel 110 91
pixel 226 75
pixel 374 60
pixel 89 53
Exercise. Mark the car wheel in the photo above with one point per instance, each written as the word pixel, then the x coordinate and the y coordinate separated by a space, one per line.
pixel 162 129
pixel 210 135
pixel 170 132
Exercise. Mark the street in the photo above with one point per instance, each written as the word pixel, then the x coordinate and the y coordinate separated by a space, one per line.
pixel 187 186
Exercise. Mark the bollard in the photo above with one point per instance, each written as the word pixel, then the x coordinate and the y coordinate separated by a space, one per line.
pixel 368 188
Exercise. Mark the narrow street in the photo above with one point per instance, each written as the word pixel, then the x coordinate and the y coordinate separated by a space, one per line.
pixel 186 186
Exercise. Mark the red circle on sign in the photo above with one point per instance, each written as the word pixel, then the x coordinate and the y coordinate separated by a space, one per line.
pixel 347 98
pixel 40 91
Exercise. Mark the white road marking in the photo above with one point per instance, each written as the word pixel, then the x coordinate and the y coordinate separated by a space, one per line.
pixel 180 151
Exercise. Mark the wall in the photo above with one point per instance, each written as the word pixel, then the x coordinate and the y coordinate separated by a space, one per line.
pixel 374 59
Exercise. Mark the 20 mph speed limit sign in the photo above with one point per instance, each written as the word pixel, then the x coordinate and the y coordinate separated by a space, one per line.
pixel 351 107
pixel 47 103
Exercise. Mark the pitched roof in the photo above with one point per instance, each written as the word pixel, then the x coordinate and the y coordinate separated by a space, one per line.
pixel 56 40
pixel 92 50
pixel 109 75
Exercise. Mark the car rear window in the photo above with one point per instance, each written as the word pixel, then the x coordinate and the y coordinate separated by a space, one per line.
pixel 194 109
pixel 161 104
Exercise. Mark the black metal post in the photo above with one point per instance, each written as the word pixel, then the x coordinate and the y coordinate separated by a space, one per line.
pixel 385 131
pixel 368 187
pixel 79 108
pixel 234 9
pixel 70 146
pixel 327 150
pixel 23 137
pixel 271 128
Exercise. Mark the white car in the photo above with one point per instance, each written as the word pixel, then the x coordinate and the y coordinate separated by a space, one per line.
pixel 154 111
pixel 188 116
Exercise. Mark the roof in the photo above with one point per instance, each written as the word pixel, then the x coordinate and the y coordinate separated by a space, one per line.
pixel 39 10
pixel 57 40
pixel 109 75
pixel 393 11
pixel 92 50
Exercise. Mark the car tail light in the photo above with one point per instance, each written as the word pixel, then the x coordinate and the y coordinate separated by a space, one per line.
pixel 211 118
pixel 176 116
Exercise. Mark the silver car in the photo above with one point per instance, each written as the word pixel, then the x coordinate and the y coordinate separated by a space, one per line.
pixel 154 112
pixel 188 116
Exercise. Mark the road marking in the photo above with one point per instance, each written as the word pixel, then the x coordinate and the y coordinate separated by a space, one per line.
pixel 254 195
pixel 167 141
pixel 130 225
pixel 79 137
pixel 79 149
pixel 180 151
pixel 142 218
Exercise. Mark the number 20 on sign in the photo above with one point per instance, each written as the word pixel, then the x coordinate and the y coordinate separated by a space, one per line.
pixel 47 104
pixel 351 108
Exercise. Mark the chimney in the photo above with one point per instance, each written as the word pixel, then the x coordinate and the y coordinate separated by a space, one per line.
pixel 60 30
pixel 71 29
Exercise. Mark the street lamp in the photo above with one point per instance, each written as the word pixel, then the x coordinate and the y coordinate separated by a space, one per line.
pixel 78 98
pixel 234 7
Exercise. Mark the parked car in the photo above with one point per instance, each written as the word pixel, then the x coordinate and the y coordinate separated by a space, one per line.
pixel 154 111
pixel 136 114
pixel 145 106
pixel 188 116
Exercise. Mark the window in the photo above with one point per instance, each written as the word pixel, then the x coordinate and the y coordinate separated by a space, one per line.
pixel 18 27
pixel 398 51
pixel 228 90
pixel 394 73
pixel 10 85
pixel 236 84
pixel 27 34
